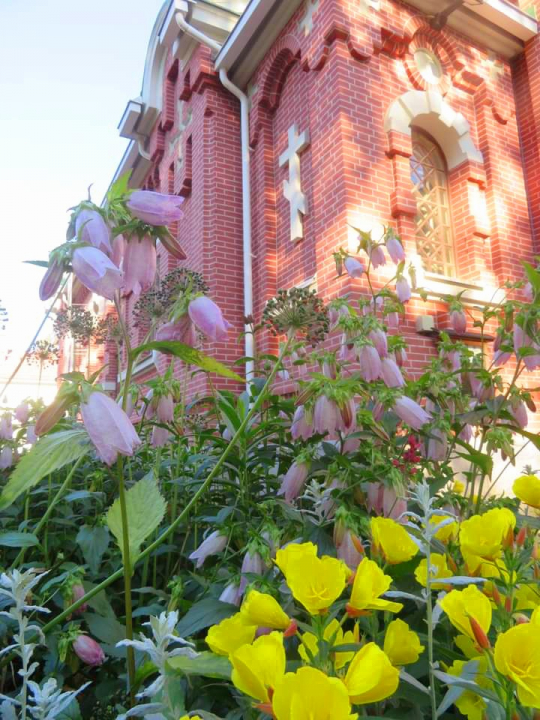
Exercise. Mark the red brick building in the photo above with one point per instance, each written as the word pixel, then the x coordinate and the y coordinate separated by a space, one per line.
pixel 284 122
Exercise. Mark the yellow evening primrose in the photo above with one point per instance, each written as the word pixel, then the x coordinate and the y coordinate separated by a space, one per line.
pixel 535 617
pixel 527 597
pixel 315 582
pixel 461 605
pixel 333 633
pixel 458 487
pixel 470 703
pixel 448 532
pixel 392 540
pixel 401 644
pixel 517 657
pixel 370 583
pixel 263 610
pixel 294 551
pixel 481 537
pixel 191 717
pixel 527 489
pixel 439 569
pixel 230 634
pixel 259 667
pixel 371 677
pixel 309 694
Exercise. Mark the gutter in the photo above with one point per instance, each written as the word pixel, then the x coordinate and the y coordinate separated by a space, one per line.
pixel 184 25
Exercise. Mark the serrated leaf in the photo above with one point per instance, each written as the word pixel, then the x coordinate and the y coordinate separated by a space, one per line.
pixel 206 664
pixel 533 276
pixel 18 540
pixel 93 542
pixel 190 355
pixel 145 510
pixel 50 453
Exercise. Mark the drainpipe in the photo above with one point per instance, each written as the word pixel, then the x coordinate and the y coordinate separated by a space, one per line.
pixel 246 189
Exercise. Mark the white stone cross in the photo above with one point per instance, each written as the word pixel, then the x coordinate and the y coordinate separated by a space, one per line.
pixel 306 24
pixel 292 188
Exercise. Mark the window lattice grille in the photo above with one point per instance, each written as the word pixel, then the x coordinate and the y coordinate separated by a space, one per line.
pixel 434 236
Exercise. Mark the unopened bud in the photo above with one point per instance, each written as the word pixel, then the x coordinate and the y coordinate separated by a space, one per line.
pixel 521 619
pixel 357 543
pixel 509 539
pixel 521 536
pixel 291 630
pixel 508 604
pixel 497 599
pixel 480 636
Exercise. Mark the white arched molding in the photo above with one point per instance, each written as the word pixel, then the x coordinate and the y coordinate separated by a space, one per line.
pixel 429 111
pixel 154 65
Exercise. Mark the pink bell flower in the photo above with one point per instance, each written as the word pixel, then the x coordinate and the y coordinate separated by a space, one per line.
pixel 179 331
pixel 22 412
pixel 294 481
pixel 165 409
pixel 208 318
pixel 6 458
pixel 89 651
pixel 395 250
pixel 392 320
pixel 6 427
pixel 77 592
pixel 300 429
pixel 518 410
pixel 329 370
pixel 51 280
pixel 155 208
pixel 347 416
pixel 437 445
pixel 31 437
pixel 231 594
pixel 401 356
pixel 160 437
pixel 91 228
pixel 528 292
pixel 139 265
pixel 466 433
pixel 383 500
pixel 377 256
pixel 379 339
pixel 212 545
pixel 354 267
pixel 403 290
pixel 118 250
pixel 97 272
pixel 500 358
pixel 109 428
pixel 523 340
pixel 458 321
pixel 351 445
pixel 252 564
pixel 326 416
pixel 370 363
pixel 348 552
pixel 391 374
pixel 411 412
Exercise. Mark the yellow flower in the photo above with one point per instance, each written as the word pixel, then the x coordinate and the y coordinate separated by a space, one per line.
pixel 517 656
pixel 316 582
pixel 230 634
pixel 259 667
pixel 458 487
pixel 371 676
pixel 535 617
pixel 391 538
pixel 369 584
pixel 401 644
pixel 481 537
pixel 191 717
pixel 460 605
pixel 333 634
pixel 294 551
pixel 528 597
pixel 309 694
pixel 439 569
pixel 470 703
pixel 448 532
pixel 527 489
pixel 263 610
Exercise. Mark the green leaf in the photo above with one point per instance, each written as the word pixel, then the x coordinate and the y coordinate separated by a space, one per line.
pixel 120 187
pixel 533 276
pixel 50 453
pixel 108 631
pixel 481 460
pixel 190 355
pixel 203 614
pixel 39 263
pixel 206 664
pixel 145 510
pixel 93 542
pixel 18 540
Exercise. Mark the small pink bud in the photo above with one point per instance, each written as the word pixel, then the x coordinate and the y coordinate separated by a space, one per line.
pixel 458 320
pixel 78 592
pixel 178 331
pixel 6 458
pixel 51 280
pixel 160 437
pixel 348 550
pixel 392 320
pixel 252 564
pixel 294 481
pixel 231 594
pixel 31 437
pixel 380 341
pixel 89 651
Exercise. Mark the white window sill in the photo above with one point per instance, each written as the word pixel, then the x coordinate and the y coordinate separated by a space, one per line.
pixel 438 286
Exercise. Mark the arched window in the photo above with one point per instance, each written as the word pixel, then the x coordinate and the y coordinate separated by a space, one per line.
pixel 434 236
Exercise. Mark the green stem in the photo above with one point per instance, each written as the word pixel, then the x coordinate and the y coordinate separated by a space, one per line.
pixel 128 572
pixel 429 618
pixel 51 507
pixel 185 512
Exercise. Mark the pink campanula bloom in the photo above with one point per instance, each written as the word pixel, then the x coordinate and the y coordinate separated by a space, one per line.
pixel 466 433
pixel 208 318
pixel 294 481
pixel 383 500
pixel 391 374
pixel 395 250
pixel 518 410
pixel 96 272
pixel 392 320
pixel 91 228
pixel 88 650
pixel 500 358
pixel 212 545
pixel 118 250
pixel 370 363
pixel 411 412
pixel 109 428
pixel 523 340
pixel 6 458
pixel 300 429
pixel 77 592
pixel 403 290
pixel 252 564
pixel 22 412
pixel 401 356
pixel 139 265
pixel 437 445
pixel 165 409
pixel 51 280
pixel 354 267
pixel 458 321
pixel 231 594
pixel 155 208
pixel 160 437
pixel 348 552
pixel 180 330
pixel 6 427
pixel 326 416
pixel 377 256
pixel 528 292
pixel 379 339
pixel 31 437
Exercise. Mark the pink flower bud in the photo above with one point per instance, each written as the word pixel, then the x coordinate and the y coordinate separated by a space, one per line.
pixel 173 247
pixel 329 370
pixel 88 650
pixel 401 356
pixel 109 427
pixel 391 374
pixel 6 458
pixel 22 413
pixel 383 500
pixel 370 363
pixel 212 545
pixel 518 411
pixel 139 265
pixel 91 228
pixel 403 290
pixel 51 280
pixel 179 331
pixel 347 551
pixel 437 445
pixel 6 427
pixel 392 320
pixel 208 318
pixel 325 416
pixel 528 292
pixel 347 416
pixel 31 437
pixel 155 208
pixel 52 415
pixel 377 256
pixel 300 428
pixel 231 594
pixel 165 409
pixel 96 272
pixel 411 413
pixel 458 321
pixel 251 564
pixel 466 433
pixel 395 250
pixel 160 437
pixel 354 267
pixel 379 339
pixel 294 481
pixel 77 592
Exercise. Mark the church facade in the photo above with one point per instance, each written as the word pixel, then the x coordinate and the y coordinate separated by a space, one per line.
pixel 285 124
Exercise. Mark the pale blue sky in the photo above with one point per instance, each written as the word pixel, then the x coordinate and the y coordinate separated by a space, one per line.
pixel 67 69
